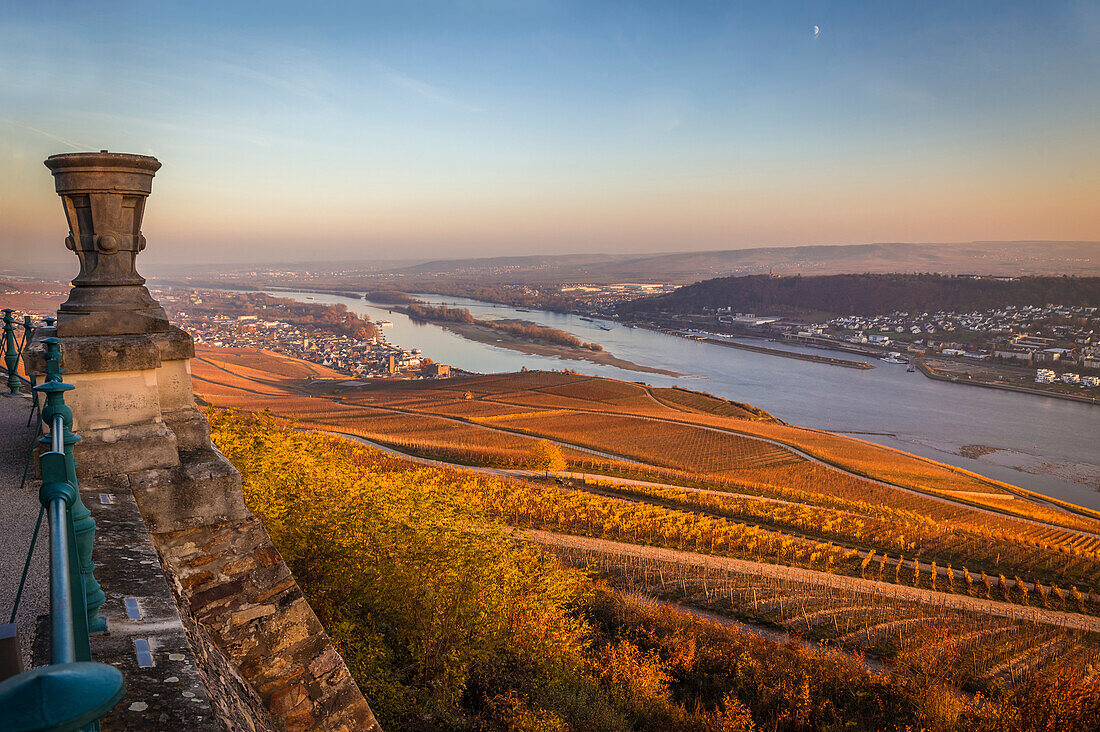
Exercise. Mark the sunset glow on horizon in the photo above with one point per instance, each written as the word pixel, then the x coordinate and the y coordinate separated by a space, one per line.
pixel 429 129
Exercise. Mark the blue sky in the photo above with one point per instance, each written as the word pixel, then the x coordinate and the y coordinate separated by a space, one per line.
pixel 367 130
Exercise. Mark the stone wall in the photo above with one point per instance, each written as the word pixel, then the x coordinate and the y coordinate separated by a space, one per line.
pixel 242 605
pixel 259 647
pixel 171 692
pixel 236 703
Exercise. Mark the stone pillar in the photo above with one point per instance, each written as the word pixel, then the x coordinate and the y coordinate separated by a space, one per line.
pixel 104 199
pixel 133 404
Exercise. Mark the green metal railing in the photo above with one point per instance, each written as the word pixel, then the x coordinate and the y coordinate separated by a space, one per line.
pixel 15 349
pixel 11 352
pixel 72 692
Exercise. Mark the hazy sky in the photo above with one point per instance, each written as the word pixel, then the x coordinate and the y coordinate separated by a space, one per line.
pixel 384 130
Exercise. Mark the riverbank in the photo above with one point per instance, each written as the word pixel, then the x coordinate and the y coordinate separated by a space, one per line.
pixel 768 350
pixel 519 335
pixel 937 376
pixel 494 337
pixel 813 357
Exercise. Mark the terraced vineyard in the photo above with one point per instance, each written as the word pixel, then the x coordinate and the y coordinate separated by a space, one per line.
pixel 983 651
pixel 694 401
pixel 453 424
pixel 900 533
pixel 265 363
pixel 918 564
pixel 680 446
pixel 439 438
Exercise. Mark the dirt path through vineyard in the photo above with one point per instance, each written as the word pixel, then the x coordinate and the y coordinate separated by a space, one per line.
pixel 797 574
pixel 797 451
pixel 891 561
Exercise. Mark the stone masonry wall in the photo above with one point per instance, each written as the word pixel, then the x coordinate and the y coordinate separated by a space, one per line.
pixel 243 607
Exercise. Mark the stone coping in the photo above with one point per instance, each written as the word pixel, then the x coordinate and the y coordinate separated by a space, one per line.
pixel 112 353
pixel 171 693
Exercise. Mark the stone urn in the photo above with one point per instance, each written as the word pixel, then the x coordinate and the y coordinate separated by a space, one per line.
pixel 104 199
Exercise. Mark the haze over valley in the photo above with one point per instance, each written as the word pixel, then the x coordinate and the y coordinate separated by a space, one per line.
pixel 550 366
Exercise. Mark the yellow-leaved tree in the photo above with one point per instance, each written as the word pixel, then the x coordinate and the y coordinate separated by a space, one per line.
pixel 546 457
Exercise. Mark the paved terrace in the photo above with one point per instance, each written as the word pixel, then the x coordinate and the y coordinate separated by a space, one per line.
pixel 168 694
pixel 17 519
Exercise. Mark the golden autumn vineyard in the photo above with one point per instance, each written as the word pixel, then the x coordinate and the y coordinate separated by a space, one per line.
pixel 686 563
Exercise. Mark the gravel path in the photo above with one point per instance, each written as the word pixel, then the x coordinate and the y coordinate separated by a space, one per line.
pixel 17 524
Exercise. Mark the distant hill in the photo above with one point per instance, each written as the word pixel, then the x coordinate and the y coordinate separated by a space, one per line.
pixel 993 258
pixel 869 294
pixel 504 265
pixel 997 258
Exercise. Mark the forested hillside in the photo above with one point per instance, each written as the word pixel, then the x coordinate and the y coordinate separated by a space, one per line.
pixel 869 294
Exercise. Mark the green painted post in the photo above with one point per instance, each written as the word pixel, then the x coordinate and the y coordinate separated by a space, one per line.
pixel 53 359
pixel 70 696
pixel 28 331
pixel 71 693
pixel 49 321
pixel 83 523
pixel 11 353
pixel 53 368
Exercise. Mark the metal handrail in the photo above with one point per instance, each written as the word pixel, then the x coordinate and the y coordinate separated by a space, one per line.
pixel 13 353
pixel 62 633
pixel 57 434
pixel 72 692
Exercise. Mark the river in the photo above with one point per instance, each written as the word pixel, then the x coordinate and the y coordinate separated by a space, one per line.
pixel 1048 445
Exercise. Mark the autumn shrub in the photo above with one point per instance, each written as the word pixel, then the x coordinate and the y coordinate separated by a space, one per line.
pixel 1068 700
pixel 429 602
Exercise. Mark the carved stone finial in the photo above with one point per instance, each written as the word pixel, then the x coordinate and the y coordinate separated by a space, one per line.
pixel 104 199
